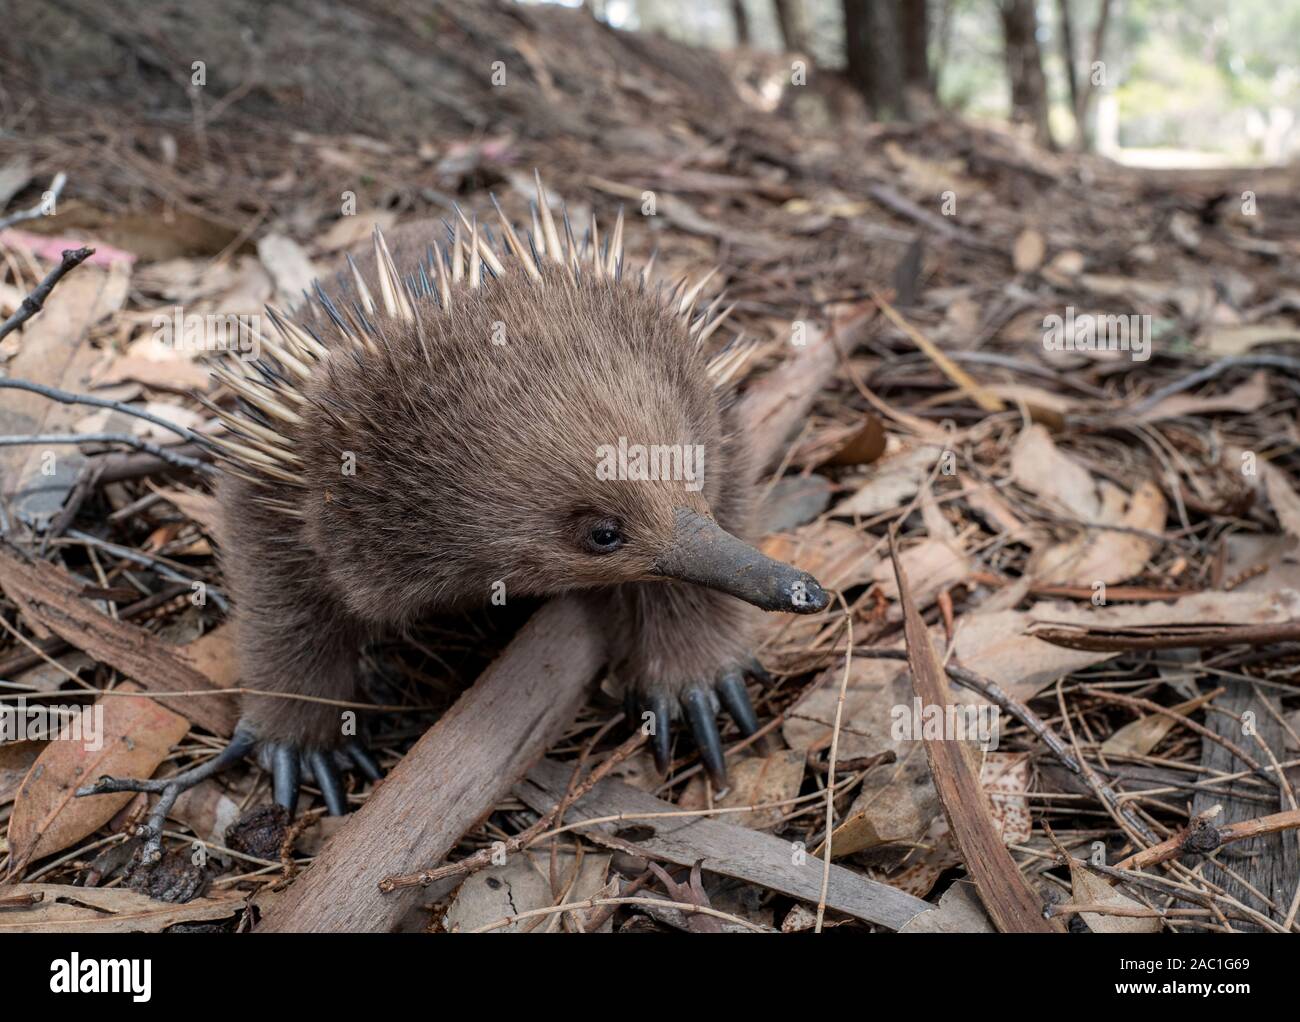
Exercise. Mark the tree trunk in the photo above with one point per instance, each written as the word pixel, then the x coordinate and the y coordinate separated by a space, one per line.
pixel 789 15
pixel 1067 53
pixel 873 45
pixel 1025 67
pixel 741 17
pixel 915 29
pixel 1088 87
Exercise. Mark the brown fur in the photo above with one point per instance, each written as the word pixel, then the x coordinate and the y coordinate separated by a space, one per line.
pixel 475 465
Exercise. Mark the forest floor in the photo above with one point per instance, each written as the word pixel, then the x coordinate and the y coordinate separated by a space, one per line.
pixel 1100 539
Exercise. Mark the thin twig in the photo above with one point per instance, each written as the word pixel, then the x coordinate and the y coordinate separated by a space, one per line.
pixel 1203 837
pixel 68 398
pixel 178 460
pixel 23 215
pixel 684 906
pixel 34 302
pixel 830 771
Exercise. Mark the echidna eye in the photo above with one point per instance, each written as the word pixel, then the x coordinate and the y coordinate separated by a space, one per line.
pixel 604 537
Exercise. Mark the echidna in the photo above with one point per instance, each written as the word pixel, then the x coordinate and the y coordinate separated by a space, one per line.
pixel 522 420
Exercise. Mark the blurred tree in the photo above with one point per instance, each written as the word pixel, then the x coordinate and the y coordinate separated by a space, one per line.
pixel 1082 89
pixel 1067 52
pixel 873 48
pixel 789 15
pixel 741 18
pixel 915 22
pixel 1024 64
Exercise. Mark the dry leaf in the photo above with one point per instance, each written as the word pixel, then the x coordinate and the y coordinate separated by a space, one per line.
pixel 896 804
pixel 1222 341
pixel 521 884
pixel 1107 556
pixel 1285 501
pixel 1139 737
pixel 289 266
pixel 1028 252
pixel 893 482
pixel 64 909
pixel 53 353
pixel 838 555
pixel 1087 888
pixel 755 780
pixel 1005 776
pixel 149 362
pixel 1246 397
pixel 200 508
pixel 47 817
pixel 959 911
pixel 213 655
pixel 1000 646
pixel 349 231
pixel 863 446
pixel 932 566
pixel 16 758
pixel 1037 466
pixel 874 688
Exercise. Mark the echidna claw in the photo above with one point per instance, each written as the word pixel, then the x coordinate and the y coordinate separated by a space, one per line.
pixel 731 691
pixel 360 755
pixel 327 779
pixel 700 712
pixel 286 776
pixel 700 705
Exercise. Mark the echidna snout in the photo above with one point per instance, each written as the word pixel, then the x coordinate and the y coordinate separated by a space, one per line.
pixel 703 553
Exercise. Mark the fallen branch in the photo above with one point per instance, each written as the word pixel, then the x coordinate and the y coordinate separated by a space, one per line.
pixel 1104 908
pixel 1203 638
pixel 1012 906
pixel 905 207
pixel 1286 365
pixel 723 848
pixel 54 646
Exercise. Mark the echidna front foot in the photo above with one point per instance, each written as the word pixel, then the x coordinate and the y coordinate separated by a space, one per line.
pixel 656 709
